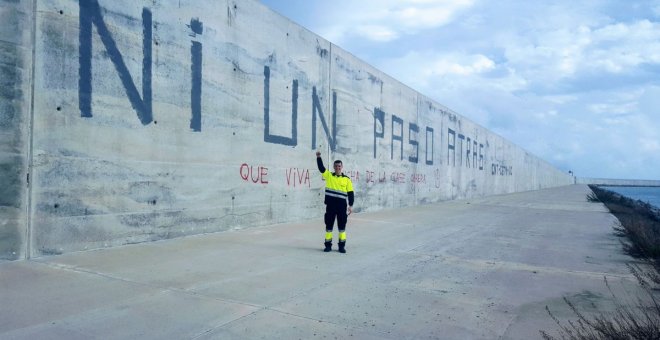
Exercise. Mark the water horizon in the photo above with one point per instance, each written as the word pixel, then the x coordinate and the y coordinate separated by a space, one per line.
pixel 650 195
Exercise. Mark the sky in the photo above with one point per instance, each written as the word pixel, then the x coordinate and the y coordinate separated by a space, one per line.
pixel 577 83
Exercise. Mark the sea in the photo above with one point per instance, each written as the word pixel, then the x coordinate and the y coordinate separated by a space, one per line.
pixel 650 195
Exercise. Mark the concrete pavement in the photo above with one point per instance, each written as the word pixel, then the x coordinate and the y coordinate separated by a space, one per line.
pixel 473 269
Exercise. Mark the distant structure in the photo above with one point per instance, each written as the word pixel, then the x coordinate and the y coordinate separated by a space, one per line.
pixel 618 182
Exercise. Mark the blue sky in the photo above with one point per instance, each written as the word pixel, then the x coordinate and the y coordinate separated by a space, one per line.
pixel 576 83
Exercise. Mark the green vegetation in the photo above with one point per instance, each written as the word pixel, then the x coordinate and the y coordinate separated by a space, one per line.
pixel 639 229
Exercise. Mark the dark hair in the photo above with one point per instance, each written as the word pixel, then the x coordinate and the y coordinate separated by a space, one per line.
pixel 338 161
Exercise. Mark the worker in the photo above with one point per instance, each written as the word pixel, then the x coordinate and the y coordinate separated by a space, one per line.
pixel 338 201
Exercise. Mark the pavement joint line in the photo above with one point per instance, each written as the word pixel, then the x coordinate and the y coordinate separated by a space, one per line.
pixel 362 328
pixel 300 316
pixel 381 221
pixel 276 310
pixel 305 292
pixel 144 284
pixel 208 331
pixel 539 206
pixel 193 293
pixel 272 309
pixel 524 267
pixel 268 308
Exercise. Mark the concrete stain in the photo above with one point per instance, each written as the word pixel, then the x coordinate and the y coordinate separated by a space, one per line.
pixel 322 52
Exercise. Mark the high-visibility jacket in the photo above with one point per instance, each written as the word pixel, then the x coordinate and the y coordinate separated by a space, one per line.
pixel 338 188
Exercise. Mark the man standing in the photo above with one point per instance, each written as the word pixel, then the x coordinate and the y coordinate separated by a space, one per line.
pixel 338 192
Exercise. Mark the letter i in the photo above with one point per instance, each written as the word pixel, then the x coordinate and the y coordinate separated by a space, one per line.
pixel 196 69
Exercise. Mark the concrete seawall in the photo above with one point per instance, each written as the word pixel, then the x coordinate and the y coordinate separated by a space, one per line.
pixel 128 122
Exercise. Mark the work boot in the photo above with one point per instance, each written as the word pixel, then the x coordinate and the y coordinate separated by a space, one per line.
pixel 342 248
pixel 328 247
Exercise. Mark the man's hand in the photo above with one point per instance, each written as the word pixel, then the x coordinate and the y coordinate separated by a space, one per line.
pixel 318 153
pixel 350 210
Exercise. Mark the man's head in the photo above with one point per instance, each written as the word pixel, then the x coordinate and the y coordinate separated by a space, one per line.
pixel 338 166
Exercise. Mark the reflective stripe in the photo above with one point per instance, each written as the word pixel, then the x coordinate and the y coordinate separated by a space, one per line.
pixel 328 236
pixel 336 192
pixel 332 194
pixel 342 236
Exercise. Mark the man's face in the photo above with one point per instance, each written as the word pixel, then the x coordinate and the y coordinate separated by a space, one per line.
pixel 338 167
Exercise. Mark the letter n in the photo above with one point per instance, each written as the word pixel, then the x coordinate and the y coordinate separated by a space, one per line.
pixel 316 107
pixel 90 14
pixel 379 117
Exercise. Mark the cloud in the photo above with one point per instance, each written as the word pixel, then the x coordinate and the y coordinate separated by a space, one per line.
pixel 388 20
pixel 417 15
pixel 557 57
pixel 377 33
pixel 474 64
pixel 428 66
pixel 419 68
pixel 553 61
pixel 620 47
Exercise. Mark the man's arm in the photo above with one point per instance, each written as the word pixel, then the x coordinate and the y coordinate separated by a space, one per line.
pixel 351 197
pixel 319 162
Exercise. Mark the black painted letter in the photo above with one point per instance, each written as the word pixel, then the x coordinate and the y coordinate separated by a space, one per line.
pixel 451 146
pixel 429 130
pixel 196 70
pixel 413 128
pixel 399 121
pixel 268 138
pixel 379 117
pixel 90 14
pixel 316 106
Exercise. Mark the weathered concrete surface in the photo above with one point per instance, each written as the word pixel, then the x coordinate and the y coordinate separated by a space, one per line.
pixel 470 269
pixel 162 118
pixel 612 181
pixel 15 89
